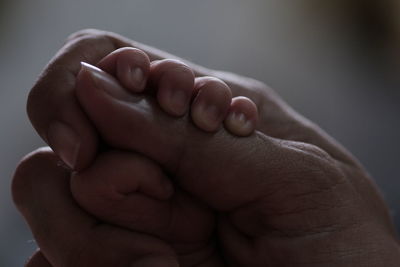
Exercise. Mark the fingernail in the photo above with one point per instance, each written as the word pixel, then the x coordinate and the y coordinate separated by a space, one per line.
pixel 64 142
pixel 103 80
pixel 239 123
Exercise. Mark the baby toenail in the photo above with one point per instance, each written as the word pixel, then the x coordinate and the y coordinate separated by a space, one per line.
pixel 240 117
pixel 137 77
pixel 239 124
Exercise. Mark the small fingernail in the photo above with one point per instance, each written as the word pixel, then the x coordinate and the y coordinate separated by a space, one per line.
pixel 137 78
pixel 102 80
pixel 239 123
pixel 64 142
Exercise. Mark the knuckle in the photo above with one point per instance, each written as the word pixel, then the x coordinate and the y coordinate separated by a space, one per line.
pixel 93 42
pixel 87 45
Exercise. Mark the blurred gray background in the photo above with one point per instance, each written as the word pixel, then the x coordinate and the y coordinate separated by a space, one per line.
pixel 334 61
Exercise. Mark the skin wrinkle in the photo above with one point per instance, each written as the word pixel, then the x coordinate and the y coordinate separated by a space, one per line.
pixel 284 188
pixel 268 227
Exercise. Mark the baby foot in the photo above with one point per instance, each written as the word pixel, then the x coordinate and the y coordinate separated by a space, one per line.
pixel 177 91
pixel 147 200
pixel 253 184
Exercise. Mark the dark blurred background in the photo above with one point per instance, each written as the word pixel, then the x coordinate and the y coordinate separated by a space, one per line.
pixel 334 61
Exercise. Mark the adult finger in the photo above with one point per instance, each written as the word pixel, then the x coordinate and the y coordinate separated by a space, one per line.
pixel 66 234
pixel 53 109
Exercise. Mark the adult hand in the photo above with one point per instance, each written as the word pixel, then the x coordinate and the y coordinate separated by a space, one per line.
pixel 350 225
pixel 277 201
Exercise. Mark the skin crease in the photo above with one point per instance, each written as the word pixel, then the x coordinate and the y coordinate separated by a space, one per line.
pixel 355 231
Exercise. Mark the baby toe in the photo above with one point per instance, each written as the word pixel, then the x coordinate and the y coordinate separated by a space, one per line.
pixel 211 103
pixel 173 82
pixel 129 65
pixel 242 117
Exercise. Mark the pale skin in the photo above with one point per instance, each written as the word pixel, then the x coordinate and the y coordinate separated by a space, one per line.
pixel 296 198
